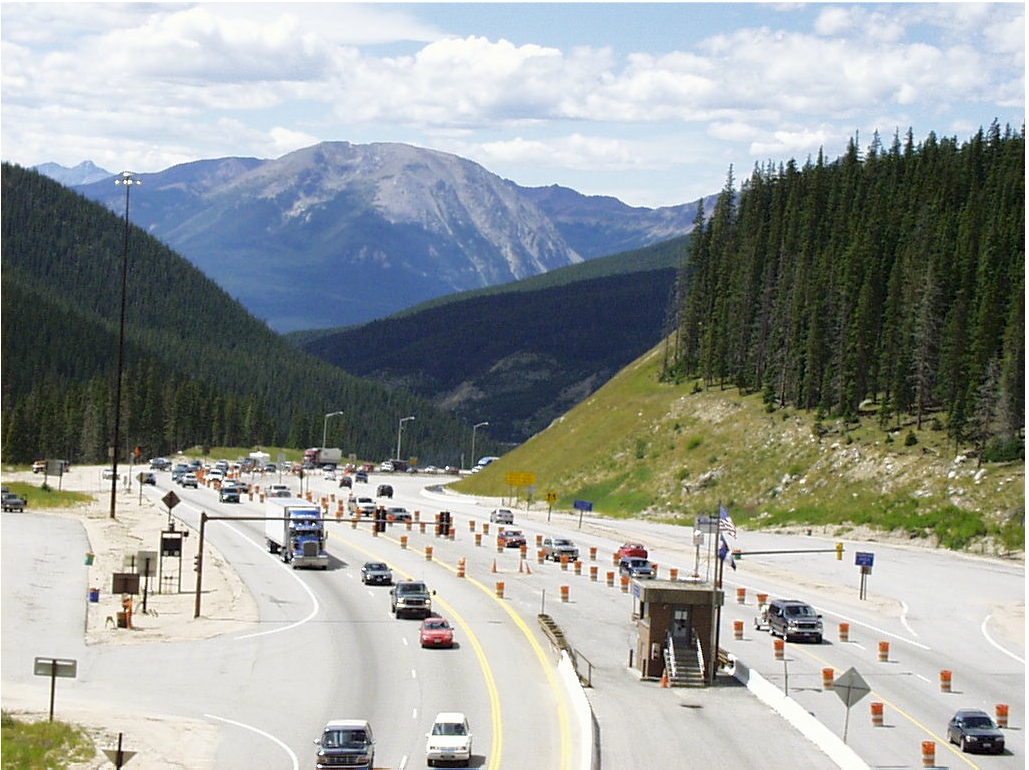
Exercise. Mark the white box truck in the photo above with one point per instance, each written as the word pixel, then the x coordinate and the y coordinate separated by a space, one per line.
pixel 294 530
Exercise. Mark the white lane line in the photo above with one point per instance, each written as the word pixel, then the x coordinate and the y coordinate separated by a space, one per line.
pixel 985 632
pixel 315 607
pixel 904 618
pixel 414 713
pixel 882 631
pixel 269 736
pixel 403 762
pixel 414 674
pixel 923 678
pixel 404 640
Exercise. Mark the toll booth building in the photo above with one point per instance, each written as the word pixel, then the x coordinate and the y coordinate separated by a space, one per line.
pixel 676 624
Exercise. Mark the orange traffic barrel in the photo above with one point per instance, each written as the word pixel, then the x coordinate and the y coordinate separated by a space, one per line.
pixel 625 584
pixel 403 542
pixel 564 593
pixel 523 550
pixel 478 538
pixel 593 572
pixel 737 629
pixel 827 678
pixel 593 553
pixel 741 595
pixel 428 553
pixel 421 527
pixel 460 567
pixel 539 541
pixel 884 651
pixel 610 579
pixel 945 677
pixel 673 574
pixel 500 589
pixel 844 632
pixel 500 545
pixel 877 714
pixel 409 525
pixel 653 566
pixel 418 517
pixel 471 525
pixel 614 559
pixel 780 648
pixel 564 563
pixel 541 556
pixel 1002 714
pixel 578 567
pixel 485 528
pixel 928 754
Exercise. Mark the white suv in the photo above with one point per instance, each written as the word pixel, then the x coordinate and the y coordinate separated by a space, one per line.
pixel 450 740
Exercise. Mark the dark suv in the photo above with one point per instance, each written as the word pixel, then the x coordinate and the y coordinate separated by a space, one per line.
pixel 410 596
pixel 346 743
pixel 792 619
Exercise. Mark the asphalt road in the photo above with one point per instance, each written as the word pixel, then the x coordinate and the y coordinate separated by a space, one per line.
pixel 327 647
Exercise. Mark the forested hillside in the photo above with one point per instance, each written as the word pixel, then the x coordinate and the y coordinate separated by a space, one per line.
pixel 522 354
pixel 199 369
pixel 892 281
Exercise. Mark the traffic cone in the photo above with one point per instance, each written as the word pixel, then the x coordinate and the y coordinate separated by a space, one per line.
pixel 664 678
pixel 494 565
pixel 528 570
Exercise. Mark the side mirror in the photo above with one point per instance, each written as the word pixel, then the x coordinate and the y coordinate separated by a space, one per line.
pixel 317 741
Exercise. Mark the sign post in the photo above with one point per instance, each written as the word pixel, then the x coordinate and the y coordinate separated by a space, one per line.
pixel 851 688
pixel 119 755
pixel 580 506
pixel 864 560
pixel 53 668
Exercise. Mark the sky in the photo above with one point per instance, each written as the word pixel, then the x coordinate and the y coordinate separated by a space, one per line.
pixel 650 103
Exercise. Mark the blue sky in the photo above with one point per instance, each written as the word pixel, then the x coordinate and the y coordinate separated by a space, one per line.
pixel 650 103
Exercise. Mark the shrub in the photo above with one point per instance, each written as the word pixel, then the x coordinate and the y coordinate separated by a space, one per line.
pixel 910 439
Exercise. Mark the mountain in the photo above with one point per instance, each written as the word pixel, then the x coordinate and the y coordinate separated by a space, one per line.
pixel 84 173
pixel 518 355
pixel 199 369
pixel 338 233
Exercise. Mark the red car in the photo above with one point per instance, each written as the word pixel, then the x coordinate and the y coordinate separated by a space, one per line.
pixel 436 632
pixel 632 549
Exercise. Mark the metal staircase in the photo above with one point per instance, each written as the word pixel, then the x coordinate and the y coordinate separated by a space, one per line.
pixel 685 666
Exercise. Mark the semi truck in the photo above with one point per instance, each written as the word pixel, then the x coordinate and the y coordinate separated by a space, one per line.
pixel 294 530
pixel 319 456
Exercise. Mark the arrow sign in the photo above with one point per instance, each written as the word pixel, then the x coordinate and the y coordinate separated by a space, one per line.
pixel 851 687
pixel 171 500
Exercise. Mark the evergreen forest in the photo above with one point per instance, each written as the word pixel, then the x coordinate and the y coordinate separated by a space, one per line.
pixel 199 370
pixel 888 282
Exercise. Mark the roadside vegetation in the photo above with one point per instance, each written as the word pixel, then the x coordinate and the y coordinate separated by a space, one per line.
pixel 43 494
pixel 42 745
pixel 640 447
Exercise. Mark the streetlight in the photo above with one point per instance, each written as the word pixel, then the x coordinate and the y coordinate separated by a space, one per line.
pixel 474 428
pixel 325 425
pixel 128 180
pixel 400 429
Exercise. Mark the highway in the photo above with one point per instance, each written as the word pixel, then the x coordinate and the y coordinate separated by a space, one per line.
pixel 327 647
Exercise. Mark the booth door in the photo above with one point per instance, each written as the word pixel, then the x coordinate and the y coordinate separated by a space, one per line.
pixel 681 628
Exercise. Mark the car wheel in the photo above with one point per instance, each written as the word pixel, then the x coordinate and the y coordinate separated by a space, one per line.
pixel 964 745
pixel 818 639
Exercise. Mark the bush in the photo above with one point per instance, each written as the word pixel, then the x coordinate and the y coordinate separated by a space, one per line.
pixel 910 439
pixel 999 450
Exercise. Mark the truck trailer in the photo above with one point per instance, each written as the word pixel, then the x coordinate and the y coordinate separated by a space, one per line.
pixel 322 456
pixel 294 529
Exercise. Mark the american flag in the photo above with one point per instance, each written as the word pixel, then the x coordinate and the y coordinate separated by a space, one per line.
pixel 725 522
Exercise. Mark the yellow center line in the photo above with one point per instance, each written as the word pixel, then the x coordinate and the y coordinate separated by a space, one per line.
pixel 497 744
pixel 564 730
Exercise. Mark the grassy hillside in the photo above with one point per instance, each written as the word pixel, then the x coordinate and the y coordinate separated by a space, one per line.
pixel 639 447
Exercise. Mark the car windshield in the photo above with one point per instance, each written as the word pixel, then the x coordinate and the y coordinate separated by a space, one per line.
pixel 977 722
pixel 436 624
pixel 344 739
pixel 801 610
pixel 375 567
pixel 637 563
pixel 448 728
pixel 411 588
pixel 562 542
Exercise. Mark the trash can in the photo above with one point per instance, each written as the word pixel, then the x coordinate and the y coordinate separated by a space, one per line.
pixel 94 595
pixel 89 558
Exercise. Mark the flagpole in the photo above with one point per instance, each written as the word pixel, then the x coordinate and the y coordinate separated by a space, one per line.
pixel 720 566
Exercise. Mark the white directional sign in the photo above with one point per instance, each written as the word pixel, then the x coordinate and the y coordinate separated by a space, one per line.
pixel 851 687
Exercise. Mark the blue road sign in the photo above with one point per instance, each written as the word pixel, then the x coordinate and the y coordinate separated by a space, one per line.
pixel 864 558
pixel 583 505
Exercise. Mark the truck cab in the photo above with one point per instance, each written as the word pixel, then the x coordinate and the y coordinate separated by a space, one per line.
pixel 346 743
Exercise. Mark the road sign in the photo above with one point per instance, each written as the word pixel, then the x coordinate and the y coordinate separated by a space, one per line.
pixel 516 479
pixel 551 496
pixel 64 667
pixel 864 558
pixel 851 687
pixel 119 756
pixel 583 505
pixel 171 500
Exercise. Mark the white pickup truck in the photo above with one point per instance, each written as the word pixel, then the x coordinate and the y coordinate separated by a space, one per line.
pixel 556 547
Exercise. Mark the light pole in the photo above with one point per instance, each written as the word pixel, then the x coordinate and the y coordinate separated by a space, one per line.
pixel 325 425
pixel 400 429
pixel 128 180
pixel 474 428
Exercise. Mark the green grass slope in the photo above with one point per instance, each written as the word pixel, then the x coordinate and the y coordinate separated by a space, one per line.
pixel 642 448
